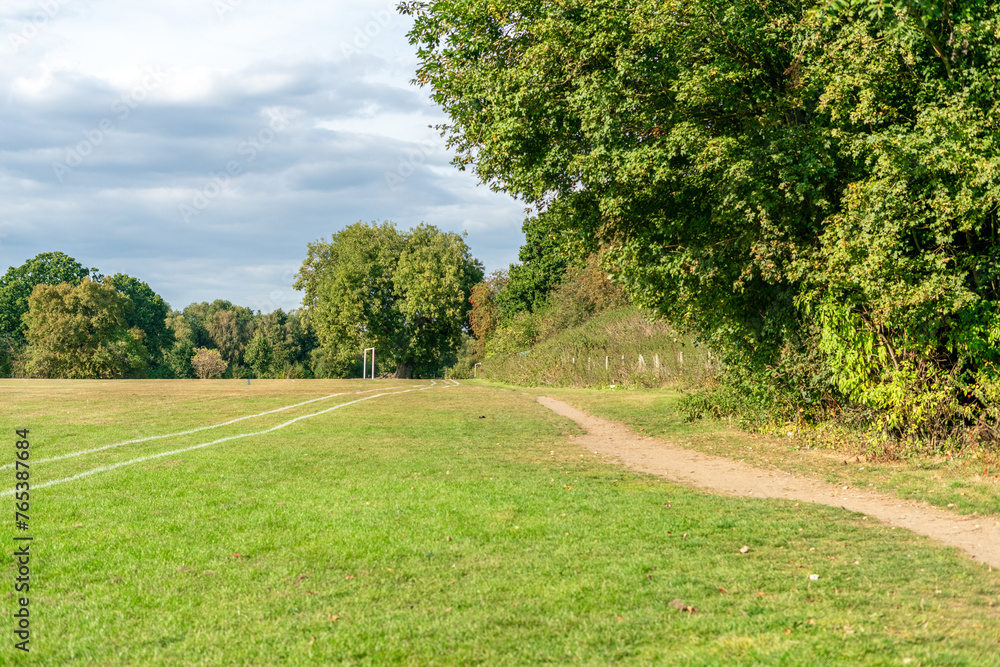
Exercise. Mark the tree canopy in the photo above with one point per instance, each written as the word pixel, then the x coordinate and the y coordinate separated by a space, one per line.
pixel 16 285
pixel 81 331
pixel 543 260
pixel 271 345
pixel 773 175
pixel 406 293
pixel 148 313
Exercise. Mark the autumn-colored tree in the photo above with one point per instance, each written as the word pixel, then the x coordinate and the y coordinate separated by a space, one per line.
pixel 485 315
pixel 81 331
pixel 208 363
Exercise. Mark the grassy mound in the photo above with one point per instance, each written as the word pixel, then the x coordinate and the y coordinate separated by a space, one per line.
pixel 623 346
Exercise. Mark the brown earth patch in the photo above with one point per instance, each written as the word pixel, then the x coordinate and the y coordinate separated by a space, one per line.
pixel 979 536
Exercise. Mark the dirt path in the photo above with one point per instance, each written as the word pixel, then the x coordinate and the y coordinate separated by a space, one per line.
pixel 979 536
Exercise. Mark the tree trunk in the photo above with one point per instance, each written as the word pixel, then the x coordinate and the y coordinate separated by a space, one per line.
pixel 404 372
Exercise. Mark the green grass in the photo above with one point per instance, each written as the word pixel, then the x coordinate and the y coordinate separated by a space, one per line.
pixel 409 530
pixel 968 483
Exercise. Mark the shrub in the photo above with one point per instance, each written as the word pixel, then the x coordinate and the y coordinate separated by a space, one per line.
pixel 208 363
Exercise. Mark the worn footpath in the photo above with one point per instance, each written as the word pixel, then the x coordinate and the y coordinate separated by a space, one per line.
pixel 979 536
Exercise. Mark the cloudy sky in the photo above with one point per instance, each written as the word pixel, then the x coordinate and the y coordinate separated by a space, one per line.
pixel 199 145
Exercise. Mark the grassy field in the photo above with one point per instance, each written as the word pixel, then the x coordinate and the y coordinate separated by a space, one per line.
pixel 439 526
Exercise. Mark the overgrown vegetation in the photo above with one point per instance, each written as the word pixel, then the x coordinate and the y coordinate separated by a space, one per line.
pixel 578 331
pixel 621 347
pixel 811 190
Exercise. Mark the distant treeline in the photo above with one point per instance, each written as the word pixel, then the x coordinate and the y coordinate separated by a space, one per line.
pixel 60 319
pixel 403 292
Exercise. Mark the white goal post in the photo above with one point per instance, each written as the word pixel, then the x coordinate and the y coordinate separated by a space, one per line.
pixel 364 364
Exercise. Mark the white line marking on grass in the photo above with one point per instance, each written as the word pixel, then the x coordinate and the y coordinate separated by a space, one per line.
pixel 88 473
pixel 194 430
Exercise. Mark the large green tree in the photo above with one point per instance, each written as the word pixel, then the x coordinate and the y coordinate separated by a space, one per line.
pixel 149 312
pixel 404 293
pixel 16 285
pixel 259 355
pixel 768 173
pixel 178 357
pixel 547 251
pixel 82 331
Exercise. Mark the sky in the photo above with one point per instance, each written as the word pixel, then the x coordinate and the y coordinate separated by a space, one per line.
pixel 200 145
